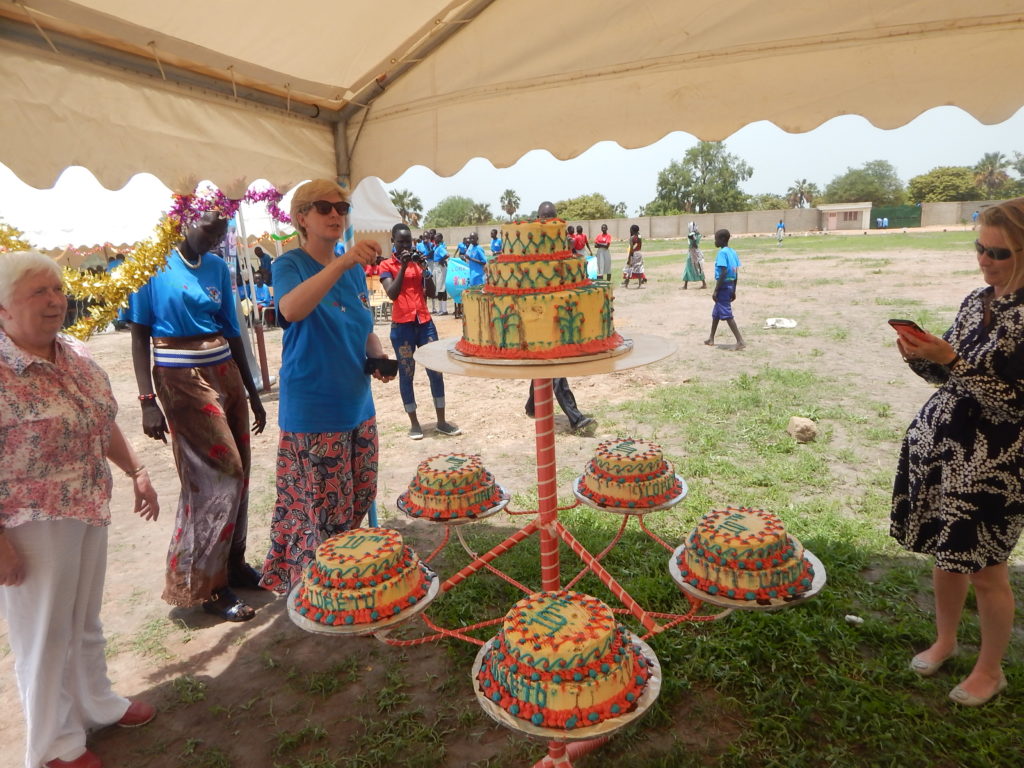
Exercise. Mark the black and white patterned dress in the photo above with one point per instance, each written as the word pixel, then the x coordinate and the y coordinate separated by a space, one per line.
pixel 959 490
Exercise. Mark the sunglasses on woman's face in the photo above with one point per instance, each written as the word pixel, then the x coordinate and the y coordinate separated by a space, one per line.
pixel 323 207
pixel 996 254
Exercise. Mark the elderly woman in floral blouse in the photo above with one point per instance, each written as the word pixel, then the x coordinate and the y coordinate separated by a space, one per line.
pixel 57 433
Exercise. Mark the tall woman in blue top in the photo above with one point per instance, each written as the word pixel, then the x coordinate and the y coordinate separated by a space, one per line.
pixel 201 376
pixel 327 455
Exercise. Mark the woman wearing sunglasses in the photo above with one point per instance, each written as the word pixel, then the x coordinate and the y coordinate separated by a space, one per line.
pixel 959 489
pixel 327 453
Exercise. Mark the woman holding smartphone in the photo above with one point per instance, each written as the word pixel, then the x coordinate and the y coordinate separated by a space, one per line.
pixel 327 453
pixel 958 494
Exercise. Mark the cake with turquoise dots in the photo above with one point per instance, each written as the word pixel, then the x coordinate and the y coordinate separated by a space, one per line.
pixel 361 576
pixel 745 554
pixel 561 661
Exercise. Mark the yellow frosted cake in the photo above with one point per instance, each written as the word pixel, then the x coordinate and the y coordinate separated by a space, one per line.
pixel 361 576
pixel 450 486
pixel 537 301
pixel 745 554
pixel 560 661
pixel 630 474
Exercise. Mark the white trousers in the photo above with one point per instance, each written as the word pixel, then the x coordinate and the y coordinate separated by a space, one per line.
pixel 53 624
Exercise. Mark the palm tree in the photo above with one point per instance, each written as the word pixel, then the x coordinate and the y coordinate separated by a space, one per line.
pixel 481 213
pixel 990 173
pixel 802 193
pixel 409 206
pixel 509 202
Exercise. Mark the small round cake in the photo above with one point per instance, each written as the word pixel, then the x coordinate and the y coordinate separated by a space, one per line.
pixel 745 554
pixel 450 486
pixel 629 474
pixel 560 661
pixel 361 576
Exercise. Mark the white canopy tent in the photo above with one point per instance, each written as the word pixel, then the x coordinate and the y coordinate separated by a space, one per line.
pixel 234 91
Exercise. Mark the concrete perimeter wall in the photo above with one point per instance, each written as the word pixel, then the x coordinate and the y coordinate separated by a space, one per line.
pixel 738 223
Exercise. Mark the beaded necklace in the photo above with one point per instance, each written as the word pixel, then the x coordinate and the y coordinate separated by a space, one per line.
pixel 188 263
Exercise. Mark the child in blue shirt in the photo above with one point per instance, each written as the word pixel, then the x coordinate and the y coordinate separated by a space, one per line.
pixel 727 273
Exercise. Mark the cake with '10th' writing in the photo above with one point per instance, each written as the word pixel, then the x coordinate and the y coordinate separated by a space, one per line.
pixel 361 576
pixel 560 661
pixel 450 486
pixel 629 474
pixel 745 554
pixel 537 301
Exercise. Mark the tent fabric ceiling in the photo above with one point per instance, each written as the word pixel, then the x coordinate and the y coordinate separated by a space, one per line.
pixel 448 81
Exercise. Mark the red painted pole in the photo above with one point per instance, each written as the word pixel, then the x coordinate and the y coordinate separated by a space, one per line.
pixel 547 486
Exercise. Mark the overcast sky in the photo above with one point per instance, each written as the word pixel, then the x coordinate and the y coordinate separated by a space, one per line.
pixel 79 211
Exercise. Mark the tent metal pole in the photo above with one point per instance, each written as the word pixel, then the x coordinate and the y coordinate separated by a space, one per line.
pixel 342 161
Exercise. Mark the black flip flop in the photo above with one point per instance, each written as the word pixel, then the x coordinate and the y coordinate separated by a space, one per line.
pixel 226 605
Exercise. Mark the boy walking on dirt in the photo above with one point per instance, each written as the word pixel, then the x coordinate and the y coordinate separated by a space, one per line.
pixel 727 273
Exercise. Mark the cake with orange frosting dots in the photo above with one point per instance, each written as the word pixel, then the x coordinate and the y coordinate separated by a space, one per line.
pixel 629 474
pixel 560 661
pixel 450 486
pixel 361 576
pixel 745 554
pixel 537 302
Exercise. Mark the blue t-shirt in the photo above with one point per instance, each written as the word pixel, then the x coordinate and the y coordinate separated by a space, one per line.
pixel 262 294
pixel 495 245
pixel 323 387
pixel 476 269
pixel 727 263
pixel 461 248
pixel 180 300
pixel 440 252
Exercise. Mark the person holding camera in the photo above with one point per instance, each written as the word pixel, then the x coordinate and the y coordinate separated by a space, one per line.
pixel 327 453
pixel 411 326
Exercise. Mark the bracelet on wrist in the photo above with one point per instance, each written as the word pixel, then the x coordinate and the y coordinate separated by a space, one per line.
pixel 954 361
pixel 147 398
pixel 136 472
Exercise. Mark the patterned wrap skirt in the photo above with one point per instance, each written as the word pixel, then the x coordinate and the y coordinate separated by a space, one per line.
pixel 326 484
pixel 207 412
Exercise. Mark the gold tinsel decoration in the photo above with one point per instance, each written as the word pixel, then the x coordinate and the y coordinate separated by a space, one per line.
pixel 111 290
pixel 10 239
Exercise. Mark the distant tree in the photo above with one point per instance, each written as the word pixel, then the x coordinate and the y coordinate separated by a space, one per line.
pixel 766 202
pixel 409 206
pixel 802 194
pixel 453 211
pixel 944 184
pixel 706 180
pixel 509 202
pixel 587 207
pixel 481 214
pixel 991 177
pixel 876 183
pixel 1018 163
pixel 620 210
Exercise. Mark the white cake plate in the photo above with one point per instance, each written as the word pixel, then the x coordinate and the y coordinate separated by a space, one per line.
pixel 621 349
pixel 646 350
pixel 775 603
pixel 363 630
pixel 604 728
pixel 577 484
pixel 403 506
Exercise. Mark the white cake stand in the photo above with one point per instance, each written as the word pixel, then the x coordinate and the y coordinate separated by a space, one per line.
pixel 774 604
pixel 577 486
pixel 402 502
pixel 604 728
pixel 363 630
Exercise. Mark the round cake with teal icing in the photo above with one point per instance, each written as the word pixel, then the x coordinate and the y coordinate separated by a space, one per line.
pixel 745 554
pixel 561 661
pixel 450 486
pixel 361 576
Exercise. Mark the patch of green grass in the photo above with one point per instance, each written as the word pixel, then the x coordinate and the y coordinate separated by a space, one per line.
pixel 194 755
pixel 837 332
pixel 800 687
pixel 331 680
pixel 289 741
pixel 188 689
pixel 887 301
pixel 149 639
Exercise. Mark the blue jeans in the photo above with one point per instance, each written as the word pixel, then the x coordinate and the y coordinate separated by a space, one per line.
pixel 406 338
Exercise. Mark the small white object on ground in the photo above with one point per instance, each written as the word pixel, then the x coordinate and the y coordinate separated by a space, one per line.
pixel 851 619
pixel 779 322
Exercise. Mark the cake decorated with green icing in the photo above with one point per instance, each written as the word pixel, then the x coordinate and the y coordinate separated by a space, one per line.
pixel 361 576
pixel 561 661
pixel 537 302
pixel 629 474
pixel 745 554
pixel 450 486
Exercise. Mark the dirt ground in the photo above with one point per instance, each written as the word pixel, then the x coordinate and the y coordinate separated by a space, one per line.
pixel 231 699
